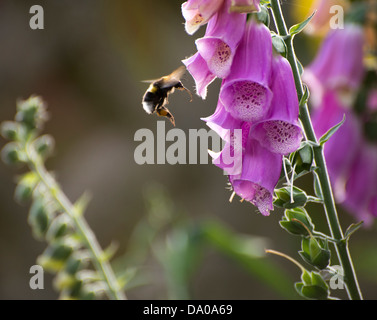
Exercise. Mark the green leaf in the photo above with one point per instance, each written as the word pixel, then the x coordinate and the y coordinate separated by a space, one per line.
pixel 300 67
pixel 318 280
pixel 312 286
pixel 302 158
pixel 352 228
pixel 317 186
pixel 315 252
pixel 26 186
pixel 305 97
pixel 284 197
pixel 279 45
pixel 314 292
pixel 331 131
pixel 82 203
pixel 298 287
pixel 297 28
pixel 295 220
pixel 109 252
pixel 306 277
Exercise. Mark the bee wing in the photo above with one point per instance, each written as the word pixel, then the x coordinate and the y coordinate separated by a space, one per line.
pixel 178 73
pixel 173 78
pixel 149 81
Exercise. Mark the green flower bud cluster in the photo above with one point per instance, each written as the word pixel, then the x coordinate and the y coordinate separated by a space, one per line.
pixel 314 251
pixel 296 220
pixel 66 254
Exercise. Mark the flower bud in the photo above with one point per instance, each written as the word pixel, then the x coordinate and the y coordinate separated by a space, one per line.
pixel 58 227
pixel 78 261
pixel 57 253
pixel 312 286
pixel 289 198
pixel 92 291
pixel 31 113
pixel 64 281
pixel 315 252
pixel 25 187
pixel 10 130
pixel 297 222
pixel 44 145
pixel 39 217
pixel 12 154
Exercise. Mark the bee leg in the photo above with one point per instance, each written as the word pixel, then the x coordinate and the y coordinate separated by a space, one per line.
pixel 189 92
pixel 164 112
pixel 180 86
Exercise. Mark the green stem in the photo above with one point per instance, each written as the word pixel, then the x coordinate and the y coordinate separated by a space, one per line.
pixel 82 227
pixel 343 253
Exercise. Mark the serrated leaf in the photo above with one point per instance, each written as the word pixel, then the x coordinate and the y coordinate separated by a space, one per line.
pixel 331 131
pixel 352 228
pixel 297 28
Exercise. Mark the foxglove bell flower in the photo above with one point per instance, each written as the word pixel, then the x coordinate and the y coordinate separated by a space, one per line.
pixel 219 44
pixel 252 169
pixel 198 13
pixel 261 170
pixel 361 184
pixel 198 68
pixel 235 133
pixel 342 147
pixel 339 63
pixel 372 100
pixel 281 132
pixel 245 93
pixel 372 207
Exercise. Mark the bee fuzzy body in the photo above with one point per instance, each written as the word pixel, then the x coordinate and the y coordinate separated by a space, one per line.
pixel 156 96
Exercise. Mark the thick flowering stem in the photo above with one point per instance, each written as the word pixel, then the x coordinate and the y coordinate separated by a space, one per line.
pixel 341 245
pixel 101 265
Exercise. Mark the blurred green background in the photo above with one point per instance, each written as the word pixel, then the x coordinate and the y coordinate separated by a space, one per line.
pixel 88 64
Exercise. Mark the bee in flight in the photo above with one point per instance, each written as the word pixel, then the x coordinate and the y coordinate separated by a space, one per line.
pixel 156 97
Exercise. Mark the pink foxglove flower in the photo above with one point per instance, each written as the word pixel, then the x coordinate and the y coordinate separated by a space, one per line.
pixel 198 13
pixel 252 169
pixel 246 92
pixel 372 100
pixel 361 184
pixel 235 134
pixel 372 207
pixel 198 68
pixel 261 170
pixel 281 132
pixel 219 44
pixel 342 147
pixel 339 63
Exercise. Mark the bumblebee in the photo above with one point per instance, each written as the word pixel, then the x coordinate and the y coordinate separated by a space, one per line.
pixel 156 97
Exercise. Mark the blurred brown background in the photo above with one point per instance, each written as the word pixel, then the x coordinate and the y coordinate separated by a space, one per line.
pixel 88 64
